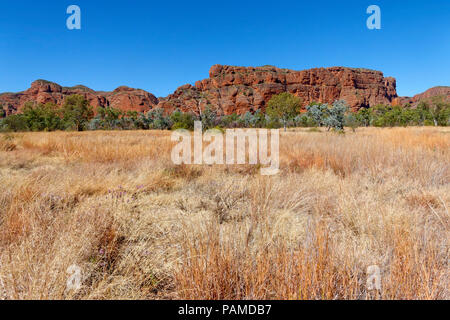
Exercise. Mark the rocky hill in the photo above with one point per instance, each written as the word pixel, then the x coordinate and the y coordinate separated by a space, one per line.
pixel 232 89
pixel 42 91
pixel 427 96
pixel 239 89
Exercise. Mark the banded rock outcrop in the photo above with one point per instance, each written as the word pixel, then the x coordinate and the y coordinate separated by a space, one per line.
pixel 42 91
pixel 240 89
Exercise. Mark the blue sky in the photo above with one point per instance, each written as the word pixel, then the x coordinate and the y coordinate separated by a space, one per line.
pixel 161 45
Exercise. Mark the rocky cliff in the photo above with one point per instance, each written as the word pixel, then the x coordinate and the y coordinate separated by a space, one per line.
pixel 239 89
pixel 41 91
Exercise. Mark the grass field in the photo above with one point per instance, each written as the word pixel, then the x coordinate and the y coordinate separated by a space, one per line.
pixel 139 227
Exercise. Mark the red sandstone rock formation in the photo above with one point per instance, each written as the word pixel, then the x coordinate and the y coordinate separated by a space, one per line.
pixel 237 90
pixel 41 91
pixel 240 89
pixel 426 96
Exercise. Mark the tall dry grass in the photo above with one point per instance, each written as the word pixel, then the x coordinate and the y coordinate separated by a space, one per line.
pixel 139 227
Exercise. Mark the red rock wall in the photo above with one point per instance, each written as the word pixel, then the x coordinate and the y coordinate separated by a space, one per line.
pixel 239 89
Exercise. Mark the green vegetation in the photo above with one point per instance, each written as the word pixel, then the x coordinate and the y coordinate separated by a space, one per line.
pixel 436 113
pixel 283 111
pixel 283 107
pixel 42 117
pixel 77 112
pixel 182 120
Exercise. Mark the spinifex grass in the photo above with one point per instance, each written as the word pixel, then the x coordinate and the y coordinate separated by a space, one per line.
pixel 139 227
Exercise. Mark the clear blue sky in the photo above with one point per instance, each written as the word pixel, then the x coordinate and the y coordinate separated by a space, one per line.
pixel 161 45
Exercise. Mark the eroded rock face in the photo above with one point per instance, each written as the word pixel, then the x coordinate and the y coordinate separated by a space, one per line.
pixel 240 89
pixel 41 91
pixel 232 89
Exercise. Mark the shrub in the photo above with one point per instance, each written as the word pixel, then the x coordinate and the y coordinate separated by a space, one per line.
pixel 365 116
pixel 16 122
pixel 42 117
pixel 182 120
pixel 283 107
pixel 95 124
pixel 208 118
pixel 379 122
pixel 318 113
pixel 231 120
pixel 158 120
pixel 336 115
pixel 2 111
pixel 76 113
pixel 248 120
pixel 352 122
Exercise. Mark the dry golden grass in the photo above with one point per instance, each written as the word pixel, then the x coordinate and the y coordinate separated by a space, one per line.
pixel 139 227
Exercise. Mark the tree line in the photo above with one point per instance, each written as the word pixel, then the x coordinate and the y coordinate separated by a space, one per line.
pixel 283 111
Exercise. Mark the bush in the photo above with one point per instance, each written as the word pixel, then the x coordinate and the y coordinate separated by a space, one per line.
pixel 2 112
pixel 158 120
pixel 283 107
pixel 76 113
pixel 95 124
pixel 335 116
pixel 208 118
pixel 317 113
pixel 379 122
pixel 352 122
pixel 230 121
pixel 42 117
pixel 365 116
pixel 182 120
pixel 16 123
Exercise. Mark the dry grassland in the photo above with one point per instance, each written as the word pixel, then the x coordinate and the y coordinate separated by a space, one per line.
pixel 140 227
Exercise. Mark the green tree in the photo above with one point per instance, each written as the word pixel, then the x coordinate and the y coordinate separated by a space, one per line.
pixel 249 120
pixel 230 120
pixel 423 111
pixel 351 121
pixel 144 121
pixel 109 117
pixel 318 112
pixel 182 120
pixel 77 112
pixel 410 116
pixel 365 116
pixel 158 120
pixel 42 117
pixel 439 111
pixel 336 115
pixel 2 111
pixel 283 106
pixel 15 122
pixel 303 120
pixel 208 117
pixel 393 116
